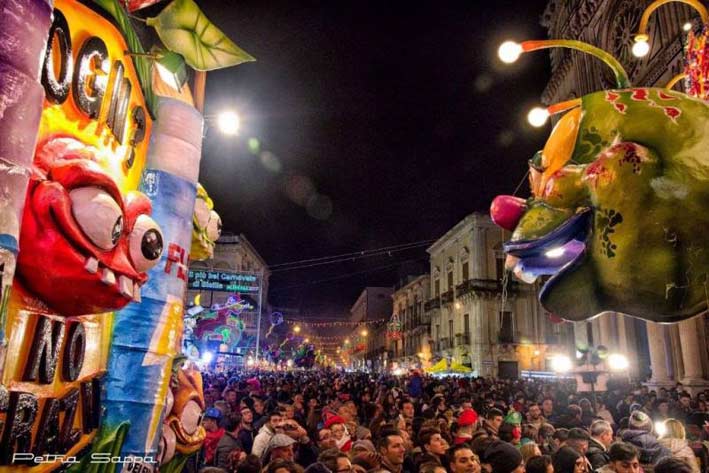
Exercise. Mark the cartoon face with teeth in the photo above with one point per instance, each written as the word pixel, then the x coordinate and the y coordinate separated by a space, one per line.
pixel 618 215
pixel 80 237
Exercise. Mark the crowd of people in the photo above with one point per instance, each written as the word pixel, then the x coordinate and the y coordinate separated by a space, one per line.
pixel 326 421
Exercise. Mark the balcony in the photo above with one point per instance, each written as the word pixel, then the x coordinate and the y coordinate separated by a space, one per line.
pixel 485 285
pixel 447 297
pixel 424 320
pixel 434 303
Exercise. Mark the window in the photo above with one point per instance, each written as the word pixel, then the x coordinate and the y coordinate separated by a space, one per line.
pixel 506 330
pixel 466 325
pixel 437 334
pixel 437 288
pixel 465 271
pixel 450 279
pixel 499 266
pixel 450 329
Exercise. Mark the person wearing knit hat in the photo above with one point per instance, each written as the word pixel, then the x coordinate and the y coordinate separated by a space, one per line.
pixel 640 421
pixel 361 446
pixel 467 421
pixel 336 424
pixel 501 457
pixel 639 434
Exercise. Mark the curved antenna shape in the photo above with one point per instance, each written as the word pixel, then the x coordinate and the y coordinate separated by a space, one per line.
pixel 641 46
pixel 621 77
pixel 675 79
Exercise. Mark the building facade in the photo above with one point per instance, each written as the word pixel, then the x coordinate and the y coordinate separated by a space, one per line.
pixel 678 352
pixel 413 347
pixel 367 341
pixel 479 318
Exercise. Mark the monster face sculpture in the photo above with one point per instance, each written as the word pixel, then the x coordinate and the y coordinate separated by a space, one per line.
pixel 206 226
pixel 182 433
pixel 618 212
pixel 80 236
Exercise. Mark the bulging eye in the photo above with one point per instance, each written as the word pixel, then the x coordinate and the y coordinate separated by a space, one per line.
pixel 201 213
pixel 146 243
pixel 98 214
pixel 214 227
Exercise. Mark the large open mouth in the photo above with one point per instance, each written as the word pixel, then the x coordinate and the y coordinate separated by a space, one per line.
pixel 553 252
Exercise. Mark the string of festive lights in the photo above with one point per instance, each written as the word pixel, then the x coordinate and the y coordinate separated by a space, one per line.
pixel 342 323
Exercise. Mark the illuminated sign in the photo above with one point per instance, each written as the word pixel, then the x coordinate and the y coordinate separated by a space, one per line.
pixel 224 281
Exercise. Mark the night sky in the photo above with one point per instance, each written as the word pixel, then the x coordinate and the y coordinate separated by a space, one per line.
pixel 379 124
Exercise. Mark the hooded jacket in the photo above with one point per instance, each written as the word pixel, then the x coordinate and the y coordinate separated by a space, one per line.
pixel 680 449
pixel 649 448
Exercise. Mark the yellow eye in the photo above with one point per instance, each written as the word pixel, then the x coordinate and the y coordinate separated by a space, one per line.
pixel 559 147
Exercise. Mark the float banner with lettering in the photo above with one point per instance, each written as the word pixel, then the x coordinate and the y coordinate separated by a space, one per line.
pixel 221 281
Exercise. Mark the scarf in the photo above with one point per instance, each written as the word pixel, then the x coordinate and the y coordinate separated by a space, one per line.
pixel 210 445
pixel 345 443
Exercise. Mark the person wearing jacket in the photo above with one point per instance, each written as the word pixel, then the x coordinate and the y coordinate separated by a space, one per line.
pixel 245 430
pixel 212 416
pixel 674 438
pixel 639 434
pixel 227 444
pixel 271 428
pixel 598 444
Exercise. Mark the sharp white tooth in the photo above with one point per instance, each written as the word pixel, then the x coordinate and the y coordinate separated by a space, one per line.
pixel 91 265
pixel 107 277
pixel 125 285
pixel 136 293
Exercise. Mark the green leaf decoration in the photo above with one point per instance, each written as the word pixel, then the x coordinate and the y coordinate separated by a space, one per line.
pixel 184 29
pixel 143 65
pixel 105 442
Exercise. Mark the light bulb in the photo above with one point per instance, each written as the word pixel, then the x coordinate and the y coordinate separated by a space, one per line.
pixel 687 26
pixel 509 51
pixel 537 116
pixel 228 123
pixel 641 47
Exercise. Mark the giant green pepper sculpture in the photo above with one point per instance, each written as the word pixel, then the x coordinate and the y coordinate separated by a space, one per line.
pixel 618 217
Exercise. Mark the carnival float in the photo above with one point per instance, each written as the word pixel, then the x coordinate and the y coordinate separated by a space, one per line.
pixel 100 152
pixel 619 194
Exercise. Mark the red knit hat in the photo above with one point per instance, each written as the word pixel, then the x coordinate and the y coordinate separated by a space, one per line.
pixel 332 420
pixel 467 417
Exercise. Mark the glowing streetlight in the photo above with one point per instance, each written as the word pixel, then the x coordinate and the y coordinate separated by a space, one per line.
pixel 364 332
pixel 687 26
pixel 457 305
pixel 307 340
pixel 561 363
pixel 537 116
pixel 296 329
pixel 347 341
pixel 618 362
pixel 509 51
pixel 228 122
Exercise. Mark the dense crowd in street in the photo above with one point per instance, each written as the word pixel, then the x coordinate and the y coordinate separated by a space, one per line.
pixel 323 421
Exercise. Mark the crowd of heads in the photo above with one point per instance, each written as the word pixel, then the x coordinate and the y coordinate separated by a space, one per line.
pixel 326 421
